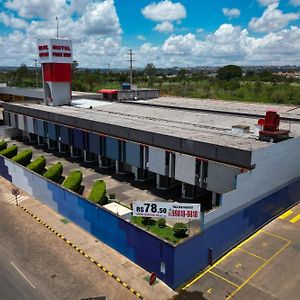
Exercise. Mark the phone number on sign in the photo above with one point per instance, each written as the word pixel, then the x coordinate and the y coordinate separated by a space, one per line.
pixel 183 213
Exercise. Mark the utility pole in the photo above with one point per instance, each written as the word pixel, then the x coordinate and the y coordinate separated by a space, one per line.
pixel 130 65
pixel 56 26
pixel 36 72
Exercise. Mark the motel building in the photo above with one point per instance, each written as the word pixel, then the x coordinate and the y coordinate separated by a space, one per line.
pixel 237 163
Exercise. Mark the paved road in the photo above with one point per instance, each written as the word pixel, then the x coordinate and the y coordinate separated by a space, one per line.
pixel 55 269
pixel 15 283
pixel 265 266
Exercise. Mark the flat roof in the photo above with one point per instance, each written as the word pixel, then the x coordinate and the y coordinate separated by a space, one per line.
pixel 204 133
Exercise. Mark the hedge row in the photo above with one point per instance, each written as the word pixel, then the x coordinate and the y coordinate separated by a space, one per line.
pixel 10 151
pixel 38 165
pixel 98 193
pixel 54 172
pixel 3 145
pixel 73 181
pixel 23 158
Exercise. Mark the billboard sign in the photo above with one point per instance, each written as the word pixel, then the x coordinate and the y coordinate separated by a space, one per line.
pixel 166 210
pixel 55 51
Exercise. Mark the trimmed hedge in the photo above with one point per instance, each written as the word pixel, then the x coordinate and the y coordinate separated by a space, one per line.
pixel 54 172
pixel 38 165
pixel 73 181
pixel 3 145
pixel 161 223
pixel 180 229
pixel 10 151
pixel 98 193
pixel 23 158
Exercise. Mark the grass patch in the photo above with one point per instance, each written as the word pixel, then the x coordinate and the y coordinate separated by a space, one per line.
pixel 166 233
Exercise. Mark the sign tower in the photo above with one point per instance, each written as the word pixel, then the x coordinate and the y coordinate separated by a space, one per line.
pixel 56 60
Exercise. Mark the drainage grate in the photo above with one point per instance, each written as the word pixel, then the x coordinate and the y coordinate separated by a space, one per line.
pixel 65 221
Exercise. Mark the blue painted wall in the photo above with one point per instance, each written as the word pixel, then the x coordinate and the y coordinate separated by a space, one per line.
pixel 94 143
pixel 133 154
pixel 78 138
pixel 112 148
pixel 40 127
pixel 65 135
pixel 182 261
pixel 52 131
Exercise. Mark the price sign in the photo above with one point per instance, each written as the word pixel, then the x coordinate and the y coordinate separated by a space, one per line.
pixel 166 210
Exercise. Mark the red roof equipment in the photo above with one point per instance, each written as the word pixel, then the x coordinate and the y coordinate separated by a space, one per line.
pixel 108 91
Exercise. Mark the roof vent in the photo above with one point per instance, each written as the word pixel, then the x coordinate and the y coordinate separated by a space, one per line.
pixel 240 129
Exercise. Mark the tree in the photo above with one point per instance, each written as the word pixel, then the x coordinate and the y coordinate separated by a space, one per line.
pixel 150 71
pixel 74 66
pixel 229 72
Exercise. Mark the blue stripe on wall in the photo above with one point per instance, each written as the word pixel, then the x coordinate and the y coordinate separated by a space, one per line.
pixel 112 148
pixel 52 132
pixel 133 154
pixel 65 135
pixel 78 138
pixel 94 143
pixel 40 128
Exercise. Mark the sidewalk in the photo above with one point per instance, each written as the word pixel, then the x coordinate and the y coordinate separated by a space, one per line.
pixel 130 273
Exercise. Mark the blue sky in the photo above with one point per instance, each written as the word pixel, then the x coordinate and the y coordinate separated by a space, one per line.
pixel 165 32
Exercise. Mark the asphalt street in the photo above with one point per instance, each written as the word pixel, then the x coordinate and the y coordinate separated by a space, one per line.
pixel 15 283
pixel 36 264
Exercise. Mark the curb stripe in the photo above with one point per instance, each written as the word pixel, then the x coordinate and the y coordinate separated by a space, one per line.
pixel 138 295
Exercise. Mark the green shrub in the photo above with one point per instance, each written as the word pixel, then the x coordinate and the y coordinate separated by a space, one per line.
pixel 10 151
pixel 3 145
pixel 98 193
pixel 161 223
pixel 180 229
pixel 54 172
pixel 38 165
pixel 23 158
pixel 73 181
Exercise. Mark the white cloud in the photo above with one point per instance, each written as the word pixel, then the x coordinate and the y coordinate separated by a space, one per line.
pixel 11 21
pixel 272 19
pixel 141 37
pixel 96 33
pixel 295 2
pixel 165 27
pixel 231 12
pixel 37 8
pixel 267 2
pixel 100 18
pixel 164 11
pixel 228 44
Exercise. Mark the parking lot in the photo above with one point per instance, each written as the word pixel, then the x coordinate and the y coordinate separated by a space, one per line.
pixel 265 266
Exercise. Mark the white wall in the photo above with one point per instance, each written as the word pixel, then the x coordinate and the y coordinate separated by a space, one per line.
pixel 157 159
pixel 276 166
pixel 185 168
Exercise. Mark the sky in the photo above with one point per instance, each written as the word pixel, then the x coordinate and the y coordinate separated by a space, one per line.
pixel 167 33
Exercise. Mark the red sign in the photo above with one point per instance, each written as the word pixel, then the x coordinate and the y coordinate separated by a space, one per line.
pixel 152 278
